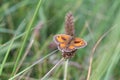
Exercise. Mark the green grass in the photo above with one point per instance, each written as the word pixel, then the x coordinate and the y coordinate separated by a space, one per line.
pixel 93 18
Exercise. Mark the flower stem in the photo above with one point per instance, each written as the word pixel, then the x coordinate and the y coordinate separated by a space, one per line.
pixel 65 71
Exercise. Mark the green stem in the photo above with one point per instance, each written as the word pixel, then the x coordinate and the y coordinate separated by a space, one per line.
pixel 66 68
pixel 6 56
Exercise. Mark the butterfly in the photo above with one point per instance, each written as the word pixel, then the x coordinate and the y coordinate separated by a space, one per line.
pixel 67 43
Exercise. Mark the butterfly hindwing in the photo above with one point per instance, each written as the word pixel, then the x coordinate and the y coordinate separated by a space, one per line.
pixel 65 48
pixel 62 46
pixel 70 48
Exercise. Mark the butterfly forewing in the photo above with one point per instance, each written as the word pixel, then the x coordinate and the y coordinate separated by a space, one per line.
pixel 79 43
pixel 61 38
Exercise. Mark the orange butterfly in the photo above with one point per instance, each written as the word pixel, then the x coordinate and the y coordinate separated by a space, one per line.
pixel 67 43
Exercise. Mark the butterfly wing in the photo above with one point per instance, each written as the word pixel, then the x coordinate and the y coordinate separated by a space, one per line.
pixel 61 38
pixel 62 46
pixel 62 41
pixel 78 43
pixel 70 48
pixel 75 43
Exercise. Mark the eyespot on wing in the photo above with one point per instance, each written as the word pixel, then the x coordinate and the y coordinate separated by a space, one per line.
pixel 61 38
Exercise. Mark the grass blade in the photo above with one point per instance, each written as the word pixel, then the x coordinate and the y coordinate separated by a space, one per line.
pixel 6 56
pixel 26 37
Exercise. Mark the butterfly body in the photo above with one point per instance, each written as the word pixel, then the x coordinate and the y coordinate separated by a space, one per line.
pixel 67 43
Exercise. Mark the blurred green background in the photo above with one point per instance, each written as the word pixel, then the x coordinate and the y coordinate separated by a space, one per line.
pixel 93 19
